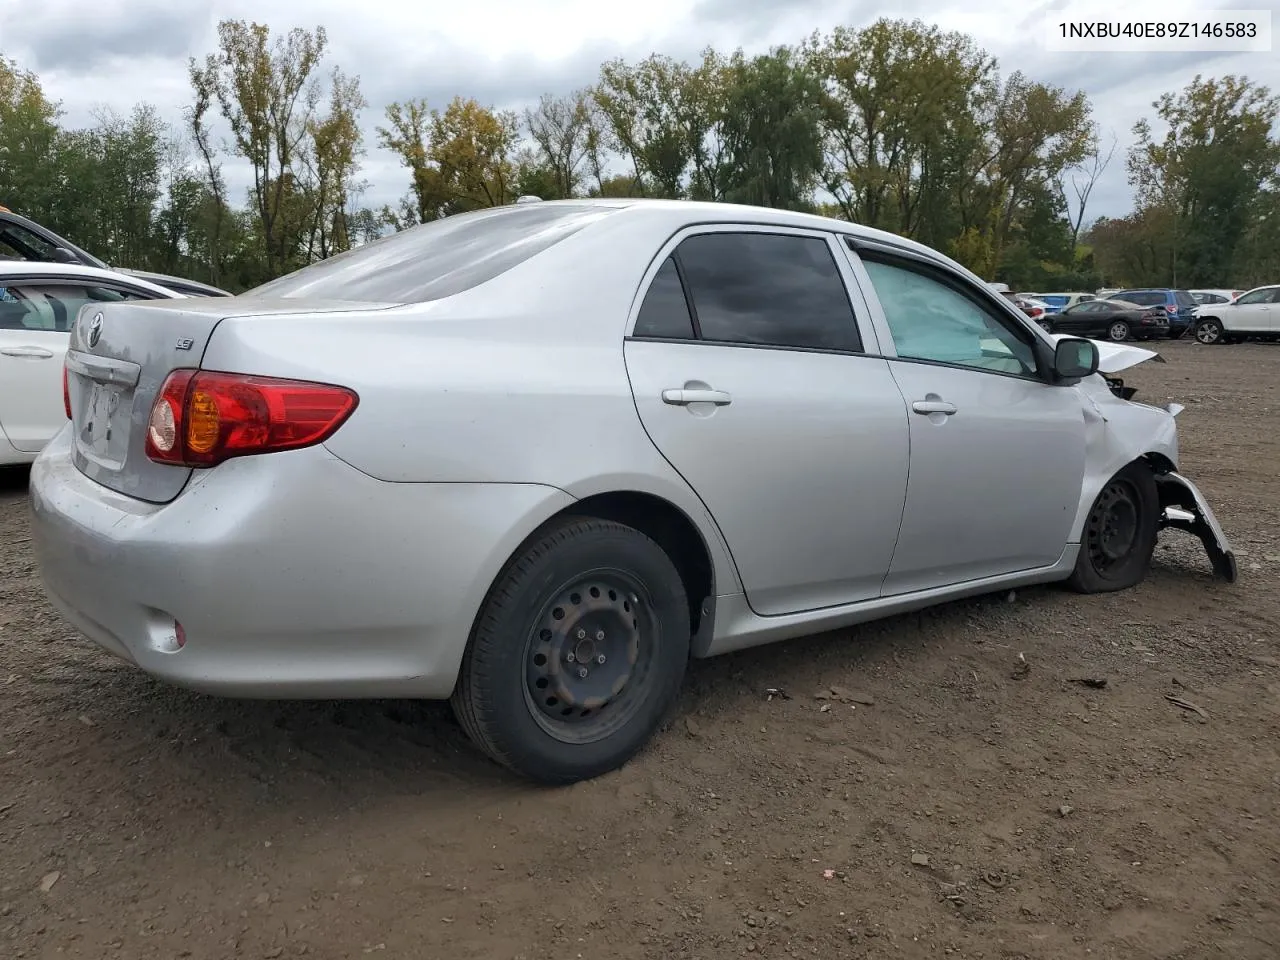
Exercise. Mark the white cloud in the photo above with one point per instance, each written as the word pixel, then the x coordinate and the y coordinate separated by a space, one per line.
pixel 116 53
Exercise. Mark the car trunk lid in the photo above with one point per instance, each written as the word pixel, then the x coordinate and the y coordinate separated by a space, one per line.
pixel 117 360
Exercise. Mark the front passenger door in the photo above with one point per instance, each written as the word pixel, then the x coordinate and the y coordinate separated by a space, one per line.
pixel 997 453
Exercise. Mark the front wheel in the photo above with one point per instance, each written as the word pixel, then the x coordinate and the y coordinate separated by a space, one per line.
pixel 1210 331
pixel 1118 331
pixel 578 652
pixel 1119 533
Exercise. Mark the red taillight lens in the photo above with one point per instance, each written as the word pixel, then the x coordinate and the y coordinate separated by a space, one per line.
pixel 1171 308
pixel 201 418
pixel 66 392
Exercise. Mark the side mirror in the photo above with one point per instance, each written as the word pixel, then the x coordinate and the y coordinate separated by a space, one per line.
pixel 63 255
pixel 1075 359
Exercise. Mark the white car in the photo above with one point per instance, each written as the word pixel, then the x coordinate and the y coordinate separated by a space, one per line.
pixel 1253 314
pixel 1206 297
pixel 38 306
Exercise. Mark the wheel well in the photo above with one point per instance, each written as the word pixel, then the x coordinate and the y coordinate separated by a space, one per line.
pixel 669 527
pixel 1159 463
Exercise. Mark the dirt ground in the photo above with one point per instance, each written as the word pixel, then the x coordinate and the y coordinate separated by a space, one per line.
pixel 976 801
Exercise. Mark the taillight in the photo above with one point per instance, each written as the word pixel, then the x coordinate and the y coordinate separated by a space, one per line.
pixel 1171 308
pixel 1036 311
pixel 66 392
pixel 201 417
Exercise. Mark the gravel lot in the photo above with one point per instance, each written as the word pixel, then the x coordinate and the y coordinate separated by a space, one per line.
pixel 965 797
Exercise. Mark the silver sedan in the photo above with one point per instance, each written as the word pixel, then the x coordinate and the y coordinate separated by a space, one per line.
pixel 535 458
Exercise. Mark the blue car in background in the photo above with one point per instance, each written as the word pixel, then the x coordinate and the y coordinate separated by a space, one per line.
pixel 1057 302
pixel 1178 304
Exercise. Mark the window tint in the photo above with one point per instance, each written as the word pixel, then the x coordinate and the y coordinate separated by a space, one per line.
pixel 930 320
pixel 764 288
pixel 51 306
pixel 665 312
pixel 1144 298
pixel 437 259
pixel 1184 298
pixel 20 243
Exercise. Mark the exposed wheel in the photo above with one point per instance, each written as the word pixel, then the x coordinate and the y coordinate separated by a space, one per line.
pixel 1210 331
pixel 1118 331
pixel 578 652
pixel 1119 533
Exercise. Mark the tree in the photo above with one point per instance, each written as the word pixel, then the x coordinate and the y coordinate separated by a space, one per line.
pixel 559 126
pixel 772 131
pixel 1215 160
pixel 648 119
pixel 266 92
pixel 28 139
pixel 1082 177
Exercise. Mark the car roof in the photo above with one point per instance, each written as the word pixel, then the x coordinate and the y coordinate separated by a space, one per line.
pixel 74 271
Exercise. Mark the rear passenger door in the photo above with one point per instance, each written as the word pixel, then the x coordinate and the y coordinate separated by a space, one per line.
pixel 747 363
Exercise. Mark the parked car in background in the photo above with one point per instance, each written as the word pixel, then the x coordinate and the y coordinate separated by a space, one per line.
pixel 1204 297
pixel 1114 320
pixel 1252 315
pixel 1032 309
pixel 1180 306
pixel 38 305
pixel 534 458
pixel 1057 302
pixel 23 239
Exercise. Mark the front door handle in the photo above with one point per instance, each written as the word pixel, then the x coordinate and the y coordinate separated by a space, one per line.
pixel 934 406
pixel 36 353
pixel 682 398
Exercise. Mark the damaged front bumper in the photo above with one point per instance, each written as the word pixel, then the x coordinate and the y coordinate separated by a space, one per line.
pixel 1183 507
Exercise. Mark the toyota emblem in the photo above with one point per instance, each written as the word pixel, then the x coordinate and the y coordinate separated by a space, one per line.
pixel 95 330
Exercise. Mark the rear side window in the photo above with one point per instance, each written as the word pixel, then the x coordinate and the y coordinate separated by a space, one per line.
pixel 438 259
pixel 665 311
pixel 771 289
pixel 1184 298
pixel 1146 298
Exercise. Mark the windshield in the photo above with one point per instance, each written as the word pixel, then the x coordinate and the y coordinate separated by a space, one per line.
pixel 438 259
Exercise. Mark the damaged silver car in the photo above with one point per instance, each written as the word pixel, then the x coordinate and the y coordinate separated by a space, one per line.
pixel 533 459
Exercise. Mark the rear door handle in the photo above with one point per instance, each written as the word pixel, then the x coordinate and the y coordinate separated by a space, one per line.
pixel 36 353
pixel 682 398
pixel 933 406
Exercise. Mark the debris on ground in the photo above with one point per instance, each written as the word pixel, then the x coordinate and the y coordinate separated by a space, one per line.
pixel 771 692
pixel 1065 810
pixel 1186 705
pixel 692 725
pixel 1093 683
pixel 848 696
pixel 48 880
pixel 920 859
pixel 1022 669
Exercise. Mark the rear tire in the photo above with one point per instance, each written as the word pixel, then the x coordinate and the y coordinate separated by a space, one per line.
pixel 1118 331
pixel 577 654
pixel 1119 534
pixel 1210 332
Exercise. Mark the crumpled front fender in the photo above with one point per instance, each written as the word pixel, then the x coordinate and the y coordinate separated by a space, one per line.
pixel 1185 508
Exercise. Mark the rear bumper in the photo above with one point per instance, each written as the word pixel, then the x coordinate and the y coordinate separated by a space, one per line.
pixel 293 575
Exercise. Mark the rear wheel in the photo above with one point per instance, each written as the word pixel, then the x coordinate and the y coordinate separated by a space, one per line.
pixel 1210 331
pixel 1118 331
pixel 1119 533
pixel 578 652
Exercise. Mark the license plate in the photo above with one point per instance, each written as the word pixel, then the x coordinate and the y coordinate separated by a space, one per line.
pixel 103 400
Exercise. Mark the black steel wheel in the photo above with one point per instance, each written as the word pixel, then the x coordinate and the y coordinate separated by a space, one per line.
pixel 1119 533
pixel 578 652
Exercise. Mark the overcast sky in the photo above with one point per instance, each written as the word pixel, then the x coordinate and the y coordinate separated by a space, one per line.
pixel 115 53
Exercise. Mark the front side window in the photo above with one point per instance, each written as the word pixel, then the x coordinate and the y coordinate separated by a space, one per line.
pixel 1264 295
pixel 932 320
pixel 771 289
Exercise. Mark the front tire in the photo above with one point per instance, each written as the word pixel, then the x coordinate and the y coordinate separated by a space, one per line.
pixel 1118 331
pixel 1210 332
pixel 577 654
pixel 1119 533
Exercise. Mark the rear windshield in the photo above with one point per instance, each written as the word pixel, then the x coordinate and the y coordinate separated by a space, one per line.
pixel 437 259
